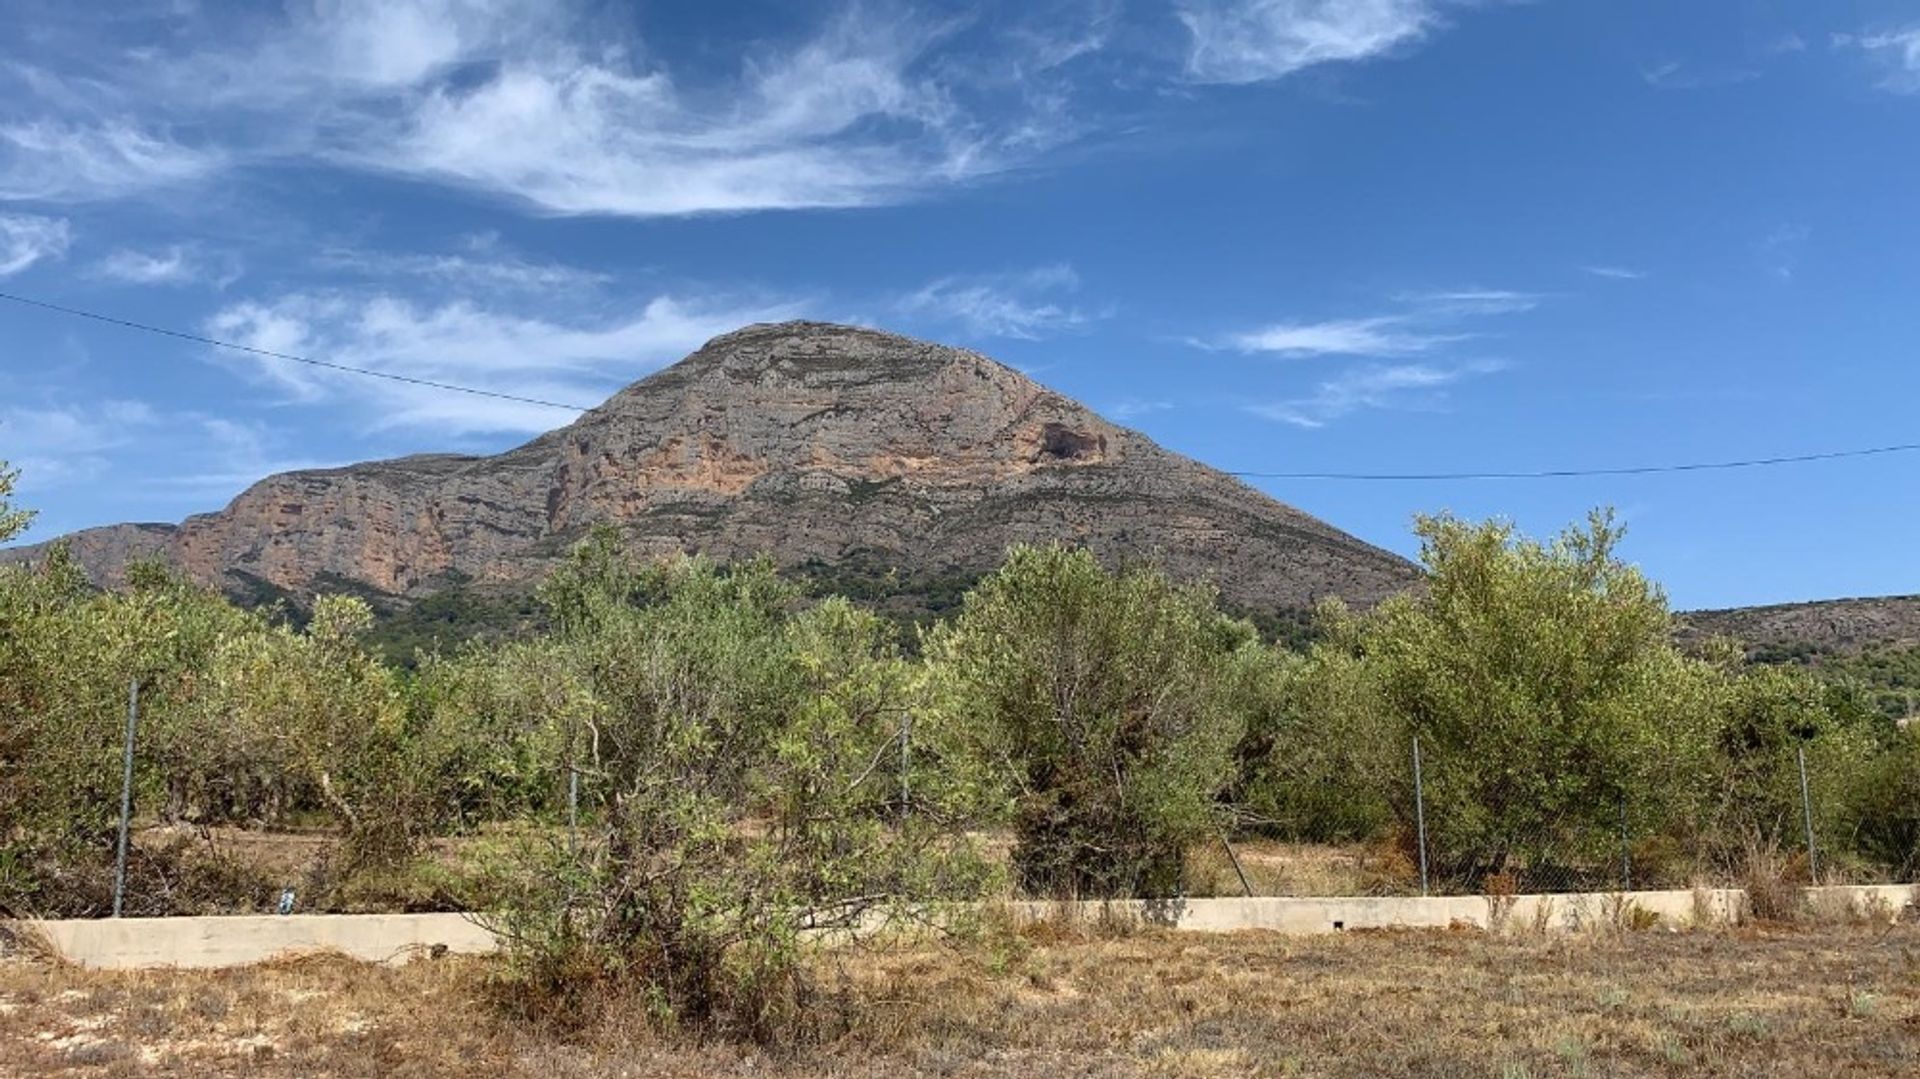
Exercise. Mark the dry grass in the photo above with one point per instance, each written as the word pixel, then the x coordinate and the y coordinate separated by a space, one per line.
pixel 1773 1001
pixel 1276 868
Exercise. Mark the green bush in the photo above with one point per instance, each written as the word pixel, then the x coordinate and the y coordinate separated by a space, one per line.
pixel 1098 707
pixel 1323 759
pixel 736 796
pixel 1545 691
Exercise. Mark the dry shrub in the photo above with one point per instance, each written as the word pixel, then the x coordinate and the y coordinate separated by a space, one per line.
pixel 340 883
pixel 1766 875
pixel 181 876
pixel 1391 864
pixel 1078 923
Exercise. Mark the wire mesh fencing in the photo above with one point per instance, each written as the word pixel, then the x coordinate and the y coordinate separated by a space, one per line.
pixel 1415 818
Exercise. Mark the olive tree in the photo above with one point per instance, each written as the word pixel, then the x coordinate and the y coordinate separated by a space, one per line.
pixel 1770 719
pixel 1098 707
pixel 13 521
pixel 1323 759
pixel 735 796
pixel 1548 697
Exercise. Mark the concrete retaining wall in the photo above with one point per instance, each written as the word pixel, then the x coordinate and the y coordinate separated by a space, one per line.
pixel 132 943
pixel 1295 915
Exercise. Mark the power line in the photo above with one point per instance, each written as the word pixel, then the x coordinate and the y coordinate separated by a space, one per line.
pixel 269 353
pixel 1388 477
pixel 1568 473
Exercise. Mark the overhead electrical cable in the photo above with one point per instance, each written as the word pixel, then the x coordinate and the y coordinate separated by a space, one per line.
pixel 271 354
pixel 1383 477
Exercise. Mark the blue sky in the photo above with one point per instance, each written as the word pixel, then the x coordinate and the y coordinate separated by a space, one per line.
pixel 1277 235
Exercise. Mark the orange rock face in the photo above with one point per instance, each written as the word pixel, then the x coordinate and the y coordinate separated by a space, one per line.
pixel 813 443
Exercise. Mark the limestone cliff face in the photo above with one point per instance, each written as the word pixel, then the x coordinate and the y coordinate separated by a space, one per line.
pixel 814 443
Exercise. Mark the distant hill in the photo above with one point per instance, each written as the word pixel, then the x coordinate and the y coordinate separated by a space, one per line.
pixel 892 469
pixel 1803 630
pixel 1871 644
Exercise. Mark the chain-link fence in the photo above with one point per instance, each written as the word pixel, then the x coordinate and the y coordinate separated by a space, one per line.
pixel 1345 817
pixel 1413 818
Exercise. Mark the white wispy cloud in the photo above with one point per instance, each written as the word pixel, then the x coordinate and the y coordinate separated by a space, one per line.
pixel 28 238
pixel 220 456
pixel 59 444
pixel 1425 320
pixel 1674 75
pixel 576 362
pixel 1472 301
pixel 1895 52
pixel 1027 305
pixel 175 264
pixel 1386 335
pixel 1399 386
pixel 63 444
pixel 553 106
pixel 577 136
pixel 1779 250
pixel 483 264
pixel 1132 408
pixel 1242 41
pixel 1615 273
pixel 78 160
pixel 1420 334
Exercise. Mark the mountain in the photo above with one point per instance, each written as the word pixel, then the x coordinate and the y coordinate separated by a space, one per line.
pixel 1802 630
pixel 879 463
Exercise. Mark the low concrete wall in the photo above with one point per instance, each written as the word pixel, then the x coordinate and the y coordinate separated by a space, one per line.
pixel 1299 915
pixel 1863 900
pixel 132 943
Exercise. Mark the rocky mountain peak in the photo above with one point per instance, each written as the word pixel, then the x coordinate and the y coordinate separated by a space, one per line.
pixel 826 446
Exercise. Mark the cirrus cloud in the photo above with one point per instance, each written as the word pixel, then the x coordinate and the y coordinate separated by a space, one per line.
pixel 1027 306
pixel 576 361
pixel 1420 387
pixel 559 108
pixel 28 238
pixel 1243 41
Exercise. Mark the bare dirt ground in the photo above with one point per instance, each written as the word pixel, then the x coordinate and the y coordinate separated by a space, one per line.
pixel 1789 1001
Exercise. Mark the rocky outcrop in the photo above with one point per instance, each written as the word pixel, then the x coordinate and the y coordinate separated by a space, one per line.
pixel 818 444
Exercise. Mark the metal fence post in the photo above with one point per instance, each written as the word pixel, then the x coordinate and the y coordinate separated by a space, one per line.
pixel 573 809
pixel 1420 812
pixel 573 785
pixel 1806 809
pixel 1626 849
pixel 906 761
pixel 126 799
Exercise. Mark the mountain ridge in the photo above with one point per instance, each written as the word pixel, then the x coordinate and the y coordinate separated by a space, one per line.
pixel 816 443
pixel 1845 626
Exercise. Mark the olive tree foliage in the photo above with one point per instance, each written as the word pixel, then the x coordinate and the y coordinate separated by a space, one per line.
pixel 68 655
pixel 502 726
pixel 1097 708
pixel 13 521
pixel 316 711
pixel 736 793
pixel 242 722
pixel 1883 820
pixel 1771 717
pixel 1322 760
pixel 65 661
pixel 1546 692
